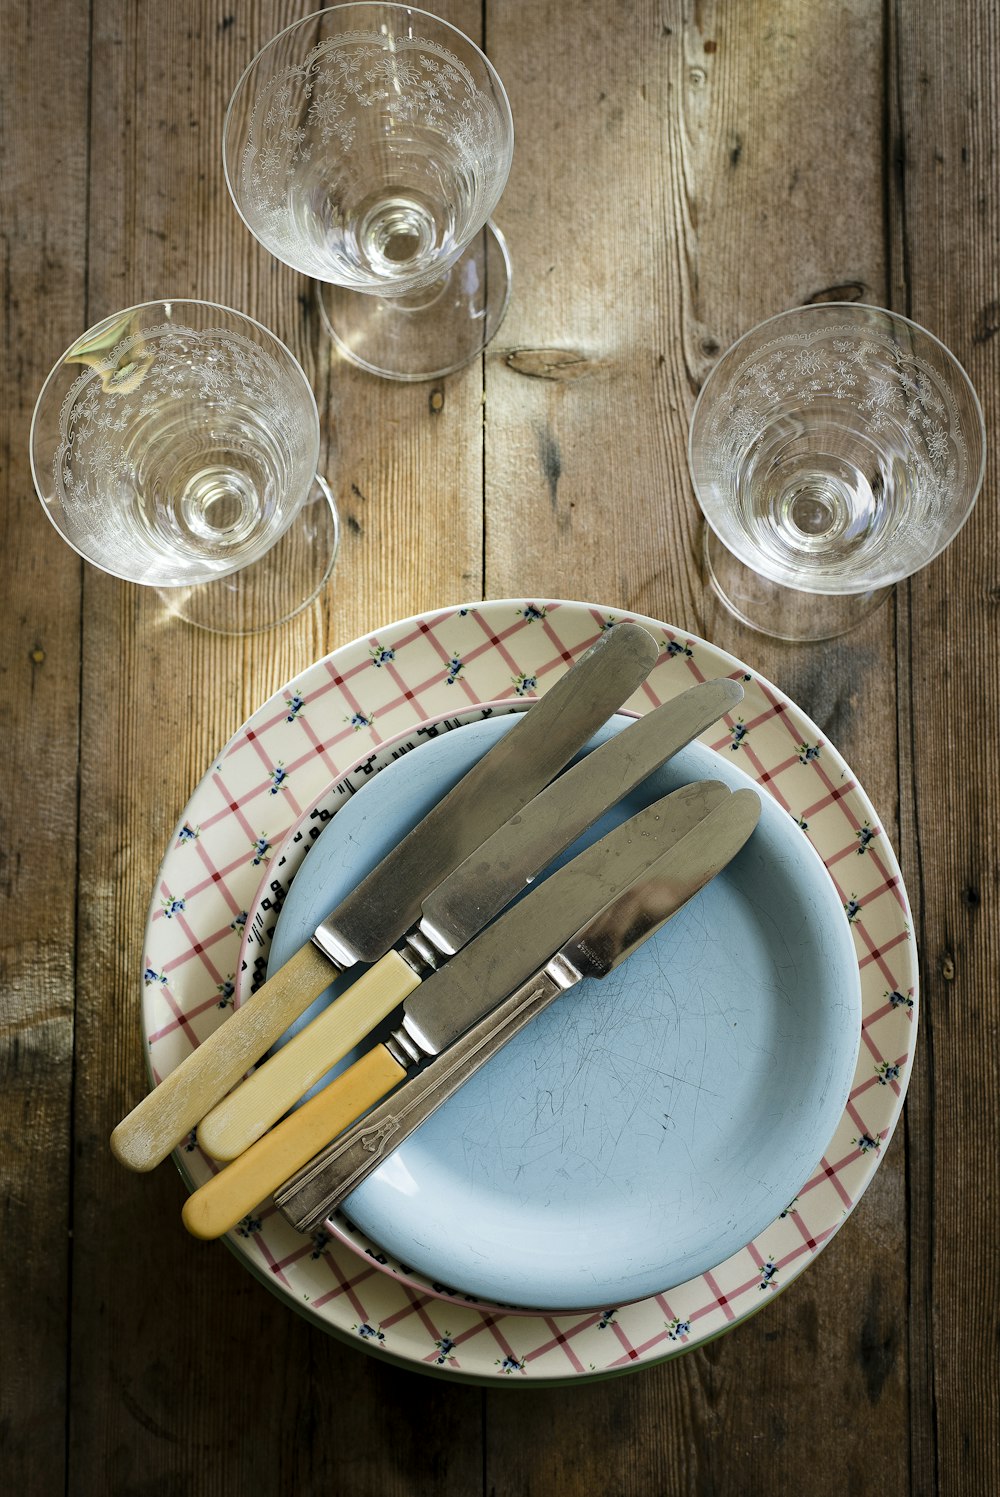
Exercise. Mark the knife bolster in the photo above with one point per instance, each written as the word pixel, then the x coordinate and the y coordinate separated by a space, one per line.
pixel 329 940
pixel 403 1050
pixel 420 954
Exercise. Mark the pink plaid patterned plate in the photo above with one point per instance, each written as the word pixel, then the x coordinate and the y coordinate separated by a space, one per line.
pixel 312 735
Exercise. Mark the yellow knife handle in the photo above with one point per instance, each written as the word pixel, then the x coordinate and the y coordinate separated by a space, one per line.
pixel 247 1113
pixel 166 1115
pixel 216 1207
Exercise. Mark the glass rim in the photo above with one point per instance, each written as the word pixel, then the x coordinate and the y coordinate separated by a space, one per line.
pixel 145 306
pixel 361 5
pixel 844 307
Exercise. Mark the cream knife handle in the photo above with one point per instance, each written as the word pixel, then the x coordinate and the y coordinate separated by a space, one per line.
pixel 247 1113
pixel 166 1115
pixel 216 1207
pixel 322 1185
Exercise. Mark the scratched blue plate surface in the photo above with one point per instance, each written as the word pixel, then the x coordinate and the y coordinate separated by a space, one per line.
pixel 645 1127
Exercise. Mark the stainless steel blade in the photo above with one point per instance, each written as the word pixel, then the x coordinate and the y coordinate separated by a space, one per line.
pixel 513 856
pixel 322 1185
pixel 520 940
pixel 387 902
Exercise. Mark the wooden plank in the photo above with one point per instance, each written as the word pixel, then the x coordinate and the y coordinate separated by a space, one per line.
pixel 717 165
pixel 188 1405
pixel 946 231
pixel 43 167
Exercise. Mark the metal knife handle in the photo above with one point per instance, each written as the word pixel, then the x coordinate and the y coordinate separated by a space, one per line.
pixel 311 1195
pixel 218 1205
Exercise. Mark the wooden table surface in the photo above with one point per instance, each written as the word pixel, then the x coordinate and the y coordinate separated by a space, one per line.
pixel 682 170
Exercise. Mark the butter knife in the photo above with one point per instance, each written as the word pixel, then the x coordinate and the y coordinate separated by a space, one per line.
pixel 455 996
pixel 463 904
pixel 310 1197
pixel 387 902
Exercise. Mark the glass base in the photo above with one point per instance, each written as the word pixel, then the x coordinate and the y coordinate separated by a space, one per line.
pixel 274 589
pixel 782 612
pixel 427 333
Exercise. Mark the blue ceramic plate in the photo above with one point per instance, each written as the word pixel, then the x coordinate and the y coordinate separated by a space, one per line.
pixel 645 1127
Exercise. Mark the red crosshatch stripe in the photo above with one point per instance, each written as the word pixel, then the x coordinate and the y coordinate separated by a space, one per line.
pixel 876 954
pixel 830 1173
pixel 344 1287
pixel 199 949
pixel 721 1300
pixel 182 1021
pixel 562 1340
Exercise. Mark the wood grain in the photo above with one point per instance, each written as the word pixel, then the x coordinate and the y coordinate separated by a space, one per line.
pixel 682 170
pixel 44 167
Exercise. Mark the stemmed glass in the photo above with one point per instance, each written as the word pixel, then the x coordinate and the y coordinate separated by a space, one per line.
pixel 175 444
pixel 835 450
pixel 366 146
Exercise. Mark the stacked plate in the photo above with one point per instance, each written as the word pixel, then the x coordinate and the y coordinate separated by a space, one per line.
pixel 657 1153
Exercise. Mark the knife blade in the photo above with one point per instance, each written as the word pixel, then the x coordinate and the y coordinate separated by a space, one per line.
pixel 462 904
pixel 462 991
pixel 387 902
pixel 594 951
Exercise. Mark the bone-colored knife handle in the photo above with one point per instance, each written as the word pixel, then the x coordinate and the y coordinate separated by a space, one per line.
pixel 247 1113
pixel 320 1186
pixel 166 1115
pixel 216 1207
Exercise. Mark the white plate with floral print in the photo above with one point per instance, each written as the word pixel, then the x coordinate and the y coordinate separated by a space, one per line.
pixel 325 729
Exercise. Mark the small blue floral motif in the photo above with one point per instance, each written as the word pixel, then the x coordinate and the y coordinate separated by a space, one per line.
pixel 369 1332
pixel 188 833
pixel 238 921
pixel 191 1142
pixel 295 704
pixel 886 1072
pixel 739 732
pixel 900 1000
pixel 808 752
pixel 463 613
pixel 852 908
pixel 607 1318
pixel 455 668
pixel 674 647
pixel 381 656
pixel 789 1209
pixel 768 1275
pixel 677 1329
pixel 227 991
pixel 260 849
pixel 609 623
pixel 802 825
pixel 532 613
pixel 172 907
pixel 278 776
pixel 151 975
pixel 866 1143
pixel 359 720
pixel 321 1241
pixel 524 685
pixel 248 1226
pixel 508 1365
pixel 866 836
pixel 445 1346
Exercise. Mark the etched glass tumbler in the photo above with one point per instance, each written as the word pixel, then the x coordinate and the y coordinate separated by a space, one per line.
pixel 175 444
pixel 366 146
pixel 835 450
